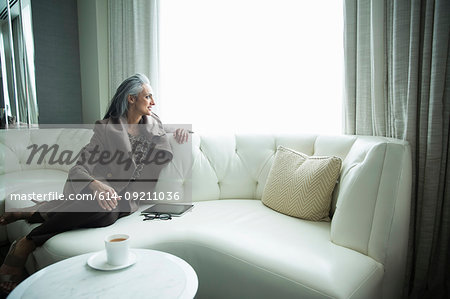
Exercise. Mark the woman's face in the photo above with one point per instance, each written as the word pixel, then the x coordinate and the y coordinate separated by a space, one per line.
pixel 143 103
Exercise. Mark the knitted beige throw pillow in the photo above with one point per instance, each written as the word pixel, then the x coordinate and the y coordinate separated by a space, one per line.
pixel 301 186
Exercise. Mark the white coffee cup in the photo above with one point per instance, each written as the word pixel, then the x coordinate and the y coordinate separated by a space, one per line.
pixel 117 249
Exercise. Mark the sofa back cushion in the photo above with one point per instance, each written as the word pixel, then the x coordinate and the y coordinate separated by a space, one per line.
pixel 41 148
pixel 373 197
pixel 237 166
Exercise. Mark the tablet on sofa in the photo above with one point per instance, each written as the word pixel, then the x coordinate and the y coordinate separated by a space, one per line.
pixel 172 209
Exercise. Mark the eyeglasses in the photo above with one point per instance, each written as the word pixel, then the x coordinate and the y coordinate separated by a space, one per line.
pixel 157 216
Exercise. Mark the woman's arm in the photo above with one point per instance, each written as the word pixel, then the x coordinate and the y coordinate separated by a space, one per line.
pixel 104 192
pixel 81 176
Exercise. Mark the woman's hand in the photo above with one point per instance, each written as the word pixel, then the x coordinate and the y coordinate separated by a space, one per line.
pixel 181 135
pixel 105 195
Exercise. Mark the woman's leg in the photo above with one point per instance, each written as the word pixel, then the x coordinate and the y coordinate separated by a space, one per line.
pixel 57 222
pixel 10 217
pixel 60 222
pixel 18 214
pixel 11 271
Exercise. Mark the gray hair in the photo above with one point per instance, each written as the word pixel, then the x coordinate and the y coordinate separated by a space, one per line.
pixel 130 86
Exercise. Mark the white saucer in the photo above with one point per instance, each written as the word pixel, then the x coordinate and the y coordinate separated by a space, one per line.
pixel 98 261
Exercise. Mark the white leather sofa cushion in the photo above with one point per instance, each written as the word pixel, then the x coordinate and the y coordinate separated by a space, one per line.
pixel 15 147
pixel 15 181
pixel 243 232
pixel 30 180
pixel 367 195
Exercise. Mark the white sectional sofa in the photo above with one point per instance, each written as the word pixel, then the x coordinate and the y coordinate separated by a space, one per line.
pixel 239 247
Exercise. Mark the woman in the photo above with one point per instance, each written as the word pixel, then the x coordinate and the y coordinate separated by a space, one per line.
pixel 128 128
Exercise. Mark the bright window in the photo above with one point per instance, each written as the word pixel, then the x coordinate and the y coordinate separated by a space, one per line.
pixel 252 65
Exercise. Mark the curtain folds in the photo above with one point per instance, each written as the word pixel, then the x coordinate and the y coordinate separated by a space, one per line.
pixel 133 40
pixel 397 64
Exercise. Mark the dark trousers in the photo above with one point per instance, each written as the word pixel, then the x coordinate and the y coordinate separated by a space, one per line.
pixel 58 222
pixel 59 219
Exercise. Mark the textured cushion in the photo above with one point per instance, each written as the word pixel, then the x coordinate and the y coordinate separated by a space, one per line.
pixel 301 186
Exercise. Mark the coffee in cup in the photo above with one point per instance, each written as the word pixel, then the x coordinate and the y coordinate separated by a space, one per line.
pixel 118 240
pixel 117 249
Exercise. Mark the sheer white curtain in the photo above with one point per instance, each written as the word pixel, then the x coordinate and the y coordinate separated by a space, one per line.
pixel 133 39
pixel 252 65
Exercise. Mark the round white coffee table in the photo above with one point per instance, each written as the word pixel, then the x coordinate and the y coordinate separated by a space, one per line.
pixel 155 274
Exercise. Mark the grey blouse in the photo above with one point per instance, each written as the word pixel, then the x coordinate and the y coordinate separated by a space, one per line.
pixel 139 149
